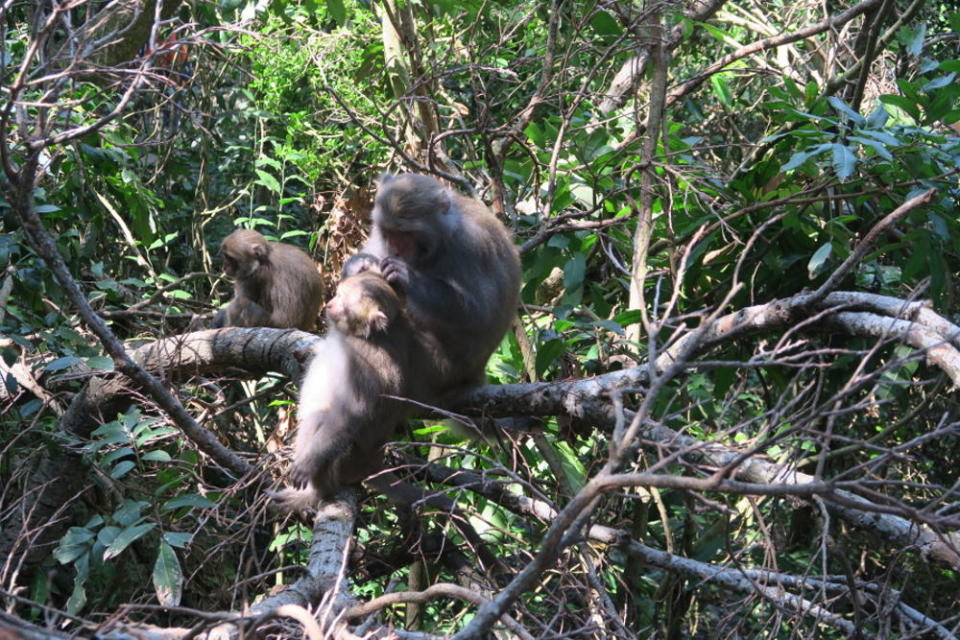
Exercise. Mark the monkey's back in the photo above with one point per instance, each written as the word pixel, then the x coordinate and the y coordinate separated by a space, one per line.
pixel 486 272
pixel 296 301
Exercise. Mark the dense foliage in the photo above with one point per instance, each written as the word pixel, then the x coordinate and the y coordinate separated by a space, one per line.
pixel 661 165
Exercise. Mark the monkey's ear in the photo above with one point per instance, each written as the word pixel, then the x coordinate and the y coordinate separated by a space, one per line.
pixel 260 252
pixel 385 179
pixel 378 321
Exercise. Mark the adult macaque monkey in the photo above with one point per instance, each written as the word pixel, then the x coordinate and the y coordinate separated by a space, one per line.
pixel 277 285
pixel 344 416
pixel 458 268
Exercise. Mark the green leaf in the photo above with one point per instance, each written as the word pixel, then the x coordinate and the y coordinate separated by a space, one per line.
pixel 574 271
pixel 62 363
pixel 572 465
pixel 939 83
pixel 77 599
pixel 126 537
pixel 547 353
pixel 77 535
pixel 535 134
pixel 113 456
pixel 337 11
pixel 878 118
pixel 914 44
pixel 100 363
pixel 880 149
pixel 122 469
pixel 628 317
pixel 843 108
pixel 882 136
pixel 178 540
pixel 189 500
pixel 268 181
pixel 167 576
pixel 605 24
pixel 129 512
pixel 107 535
pixel 66 554
pixel 818 262
pixel 844 161
pixel 157 456
pixel 909 106
pixel 800 157
pixel 721 88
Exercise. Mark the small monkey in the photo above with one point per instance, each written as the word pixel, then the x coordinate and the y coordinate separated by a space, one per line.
pixel 277 285
pixel 457 266
pixel 344 418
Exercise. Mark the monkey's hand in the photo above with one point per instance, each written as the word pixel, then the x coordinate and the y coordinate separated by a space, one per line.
pixel 300 473
pixel 396 272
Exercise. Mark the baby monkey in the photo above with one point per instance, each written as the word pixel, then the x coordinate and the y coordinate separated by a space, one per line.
pixel 344 414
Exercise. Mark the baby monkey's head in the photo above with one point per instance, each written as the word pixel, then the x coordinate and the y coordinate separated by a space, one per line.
pixel 365 304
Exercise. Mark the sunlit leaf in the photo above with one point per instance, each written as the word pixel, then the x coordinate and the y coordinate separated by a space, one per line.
pixel 167 576
pixel 818 262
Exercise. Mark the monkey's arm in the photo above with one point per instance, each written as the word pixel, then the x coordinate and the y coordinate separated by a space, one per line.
pixel 241 312
pixel 439 301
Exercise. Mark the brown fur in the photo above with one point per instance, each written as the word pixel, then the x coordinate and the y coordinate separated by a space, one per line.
pixel 344 418
pixel 460 272
pixel 277 285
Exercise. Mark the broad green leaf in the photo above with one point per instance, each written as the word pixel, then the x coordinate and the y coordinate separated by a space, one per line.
pixel 190 500
pixel 113 456
pixel 721 88
pixel 77 535
pixel 605 24
pixel 818 262
pixel 547 353
pixel 914 43
pixel 535 134
pixel 882 136
pixel 66 554
pixel 122 469
pixel 572 464
pixel 574 272
pixel 77 599
pixel 267 161
pixel 875 145
pixel 844 161
pixel 167 576
pixel 628 317
pixel 337 11
pixel 129 512
pixel 107 535
pixel 62 363
pixel 878 118
pixel 157 456
pixel 126 537
pixel 938 83
pixel 100 363
pixel 268 181
pixel 843 108
pixel 176 539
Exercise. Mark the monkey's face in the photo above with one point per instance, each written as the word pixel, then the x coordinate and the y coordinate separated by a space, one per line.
pixel 414 215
